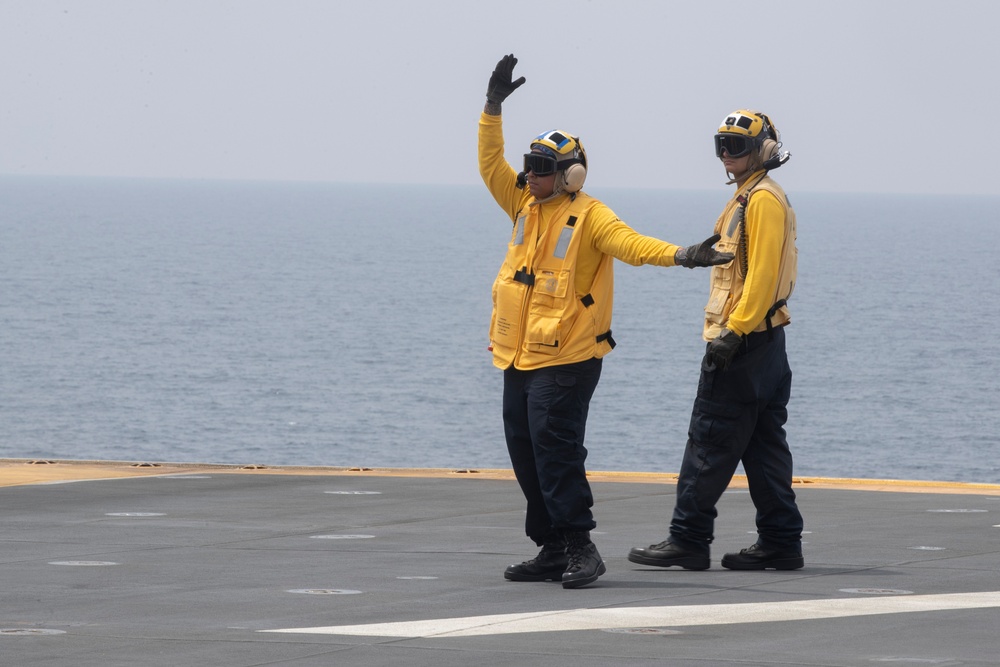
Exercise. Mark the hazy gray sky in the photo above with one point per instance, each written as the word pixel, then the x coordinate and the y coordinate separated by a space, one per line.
pixel 869 95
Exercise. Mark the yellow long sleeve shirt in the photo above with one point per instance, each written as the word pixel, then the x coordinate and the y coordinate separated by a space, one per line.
pixel 765 233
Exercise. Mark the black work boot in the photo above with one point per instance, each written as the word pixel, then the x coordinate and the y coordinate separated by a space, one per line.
pixel 759 557
pixel 585 564
pixel 667 554
pixel 548 565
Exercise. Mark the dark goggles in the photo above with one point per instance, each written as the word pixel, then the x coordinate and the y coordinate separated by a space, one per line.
pixel 540 164
pixel 735 145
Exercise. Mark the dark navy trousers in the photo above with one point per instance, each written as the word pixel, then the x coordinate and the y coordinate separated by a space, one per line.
pixel 545 417
pixel 739 415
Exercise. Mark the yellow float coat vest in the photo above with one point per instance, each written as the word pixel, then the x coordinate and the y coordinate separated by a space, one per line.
pixel 538 317
pixel 728 279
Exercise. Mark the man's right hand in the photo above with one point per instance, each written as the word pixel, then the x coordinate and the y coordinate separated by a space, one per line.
pixel 702 254
pixel 500 82
pixel 721 350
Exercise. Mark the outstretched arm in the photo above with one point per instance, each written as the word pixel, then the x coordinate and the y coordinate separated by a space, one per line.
pixel 500 178
pixel 614 237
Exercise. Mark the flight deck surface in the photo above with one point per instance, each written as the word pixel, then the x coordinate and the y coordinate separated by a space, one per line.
pixel 110 564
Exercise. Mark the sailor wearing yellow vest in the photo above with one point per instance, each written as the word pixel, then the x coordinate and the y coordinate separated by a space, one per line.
pixel 741 406
pixel 551 326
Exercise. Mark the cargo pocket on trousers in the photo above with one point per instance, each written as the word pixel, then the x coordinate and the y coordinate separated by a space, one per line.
pixel 564 418
pixel 713 422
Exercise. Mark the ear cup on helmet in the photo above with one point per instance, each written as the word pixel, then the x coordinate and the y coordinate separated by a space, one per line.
pixel 574 177
pixel 771 156
pixel 768 149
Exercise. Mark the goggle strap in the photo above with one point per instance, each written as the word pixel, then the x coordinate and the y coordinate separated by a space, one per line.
pixel 769 127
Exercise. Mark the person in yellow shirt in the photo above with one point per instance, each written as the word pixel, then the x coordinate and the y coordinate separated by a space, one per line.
pixel 551 327
pixel 741 406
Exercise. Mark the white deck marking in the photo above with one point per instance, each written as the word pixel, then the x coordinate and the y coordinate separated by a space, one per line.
pixel 658 617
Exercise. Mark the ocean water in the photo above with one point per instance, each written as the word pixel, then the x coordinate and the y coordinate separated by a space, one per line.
pixel 346 325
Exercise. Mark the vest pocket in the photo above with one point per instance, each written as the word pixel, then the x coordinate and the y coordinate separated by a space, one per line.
pixel 720 298
pixel 718 306
pixel 722 275
pixel 508 304
pixel 550 288
pixel 543 334
pixel 551 311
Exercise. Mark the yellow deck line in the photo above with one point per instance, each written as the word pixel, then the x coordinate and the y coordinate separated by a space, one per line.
pixel 17 472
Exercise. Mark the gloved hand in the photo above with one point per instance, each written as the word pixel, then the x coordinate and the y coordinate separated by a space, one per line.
pixel 500 84
pixel 723 348
pixel 702 254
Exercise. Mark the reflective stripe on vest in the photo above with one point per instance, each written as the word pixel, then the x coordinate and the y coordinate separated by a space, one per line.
pixel 564 238
pixel 519 234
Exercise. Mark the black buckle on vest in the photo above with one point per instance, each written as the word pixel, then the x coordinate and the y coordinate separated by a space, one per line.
pixel 606 336
pixel 587 301
pixel 522 276
pixel 770 313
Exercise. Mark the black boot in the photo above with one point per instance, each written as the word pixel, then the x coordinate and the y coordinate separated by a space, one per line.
pixel 759 557
pixel 667 553
pixel 585 564
pixel 548 565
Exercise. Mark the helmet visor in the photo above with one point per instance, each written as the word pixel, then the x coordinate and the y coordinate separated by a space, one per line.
pixel 539 164
pixel 735 145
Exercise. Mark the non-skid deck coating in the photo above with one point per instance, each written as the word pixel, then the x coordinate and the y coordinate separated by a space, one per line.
pixel 110 564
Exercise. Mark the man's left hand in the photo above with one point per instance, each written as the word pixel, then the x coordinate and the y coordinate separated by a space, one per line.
pixel 722 350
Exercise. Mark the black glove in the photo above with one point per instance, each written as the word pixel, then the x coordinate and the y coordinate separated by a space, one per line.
pixel 702 254
pixel 500 84
pixel 722 350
